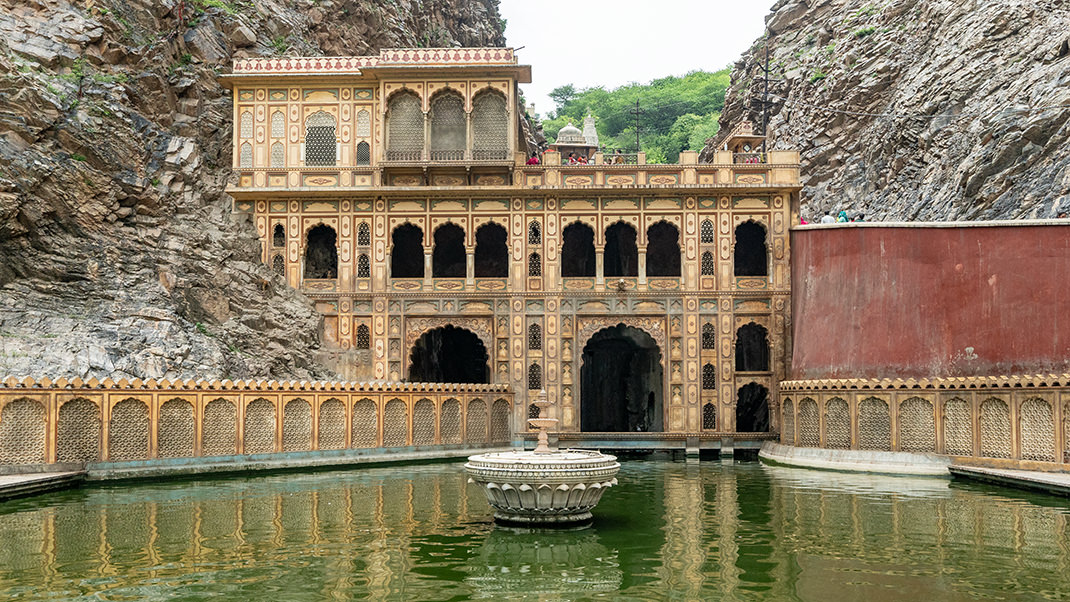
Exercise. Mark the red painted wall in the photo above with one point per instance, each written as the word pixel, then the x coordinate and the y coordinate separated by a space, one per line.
pixel 917 301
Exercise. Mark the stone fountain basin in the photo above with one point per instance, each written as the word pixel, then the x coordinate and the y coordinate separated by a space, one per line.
pixel 558 487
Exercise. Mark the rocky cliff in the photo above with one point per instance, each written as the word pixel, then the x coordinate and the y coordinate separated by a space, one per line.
pixel 120 256
pixel 917 109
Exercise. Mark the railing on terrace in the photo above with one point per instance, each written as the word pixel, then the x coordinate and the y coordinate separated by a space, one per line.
pixel 404 155
pixel 490 155
pixel 755 158
pixel 611 158
pixel 75 422
pixel 447 155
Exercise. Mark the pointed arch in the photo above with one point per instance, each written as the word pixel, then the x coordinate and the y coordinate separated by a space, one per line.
pixel 364 154
pixel 363 337
pixel 364 124
pixel 534 265
pixel 577 251
pixel 534 377
pixel 278 125
pixel 663 250
pixel 492 251
pixel 245 155
pixel 321 253
pixel 449 125
pixel 534 233
pixel 709 377
pixel 751 256
pixel 490 127
pixel 621 256
pixel 278 155
pixel 709 336
pixel 407 252
pixel 278 236
pixel 752 348
pixel 708 265
pixel 534 337
pixel 364 234
pixel 404 127
pixel 245 129
pixel 364 266
pixel 448 258
pixel 707 232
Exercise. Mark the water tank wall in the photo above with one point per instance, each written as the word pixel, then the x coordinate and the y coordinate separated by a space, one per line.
pixel 925 300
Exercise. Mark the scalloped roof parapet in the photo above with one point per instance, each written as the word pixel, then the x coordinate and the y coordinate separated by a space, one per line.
pixel 393 57
pixel 1002 381
pixel 260 385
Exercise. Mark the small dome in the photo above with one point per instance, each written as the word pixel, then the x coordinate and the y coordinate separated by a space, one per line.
pixel 570 134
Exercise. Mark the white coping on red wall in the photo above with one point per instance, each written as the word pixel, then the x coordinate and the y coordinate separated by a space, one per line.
pixel 1000 223
pixel 856 460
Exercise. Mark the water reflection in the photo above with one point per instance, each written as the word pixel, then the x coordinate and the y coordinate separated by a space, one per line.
pixel 685 531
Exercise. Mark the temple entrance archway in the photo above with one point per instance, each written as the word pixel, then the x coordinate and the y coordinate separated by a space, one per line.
pixel 621 382
pixel 449 354
pixel 752 409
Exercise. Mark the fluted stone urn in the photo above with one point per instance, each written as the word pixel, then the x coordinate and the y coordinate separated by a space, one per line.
pixel 544 486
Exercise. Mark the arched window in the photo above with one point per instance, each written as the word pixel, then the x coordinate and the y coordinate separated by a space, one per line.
pixel 245 157
pixel 278 236
pixel 709 336
pixel 534 265
pixel 577 251
pixel 707 232
pixel 404 127
pixel 490 127
pixel 534 234
pixel 534 377
pixel 448 257
pixel 278 155
pixel 492 252
pixel 534 337
pixel 321 253
pixel 448 127
pixel 751 256
pixel 709 417
pixel 364 124
pixel 364 267
pixel 364 153
pixel 279 265
pixel 363 337
pixel 278 125
pixel 320 142
pixel 246 129
pixel 709 377
pixel 407 252
pixel 663 250
pixel 621 253
pixel 709 266
pixel 364 234
pixel 752 348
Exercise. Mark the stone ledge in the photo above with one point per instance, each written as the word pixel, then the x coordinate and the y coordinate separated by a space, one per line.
pixel 853 460
pixel 935 383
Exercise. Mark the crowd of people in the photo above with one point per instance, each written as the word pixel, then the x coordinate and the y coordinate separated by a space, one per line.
pixel 840 218
pixel 617 158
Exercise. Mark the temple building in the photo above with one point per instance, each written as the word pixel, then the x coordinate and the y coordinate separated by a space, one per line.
pixel 393 191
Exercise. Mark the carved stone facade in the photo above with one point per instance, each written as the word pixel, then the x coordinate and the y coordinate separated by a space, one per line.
pixel 684 275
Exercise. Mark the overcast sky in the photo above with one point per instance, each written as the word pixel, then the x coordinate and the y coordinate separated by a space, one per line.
pixel 614 42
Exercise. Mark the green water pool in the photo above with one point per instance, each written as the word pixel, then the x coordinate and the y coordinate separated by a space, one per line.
pixel 670 531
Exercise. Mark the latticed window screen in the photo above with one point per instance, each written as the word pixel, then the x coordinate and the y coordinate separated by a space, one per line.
pixel 1038 431
pixel 78 439
pixel 709 377
pixel 709 416
pixel 278 264
pixel 499 422
pixel 837 424
pixel 332 425
pixel 448 128
pixel 245 156
pixel 533 411
pixel 363 337
pixel 320 142
pixel 449 422
pixel 709 336
pixel 22 432
pixel 364 124
pixel 808 425
pixel 534 265
pixel 917 425
pixel 490 127
pixel 128 433
pixel 364 154
pixel 219 429
pixel 246 127
pixel 278 125
pixel 707 232
pixel 278 155
pixel 405 128
pixel 709 266
pixel 365 424
pixel 176 434
pixel 278 236
pixel 476 422
pixel 297 426
pixel 364 234
pixel 534 377
pixel 423 422
pixel 364 267
pixel 395 424
pixel 534 234
pixel 995 429
pixel 874 425
pixel 958 428
pixel 534 337
pixel 787 435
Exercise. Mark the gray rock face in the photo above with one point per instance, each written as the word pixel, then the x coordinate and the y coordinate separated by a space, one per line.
pixel 918 109
pixel 120 254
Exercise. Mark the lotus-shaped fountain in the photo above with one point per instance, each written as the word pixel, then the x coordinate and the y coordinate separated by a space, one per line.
pixel 543 486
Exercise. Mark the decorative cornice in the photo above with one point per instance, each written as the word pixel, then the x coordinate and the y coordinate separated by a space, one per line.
pixel 331 65
pixel 30 383
pixel 935 383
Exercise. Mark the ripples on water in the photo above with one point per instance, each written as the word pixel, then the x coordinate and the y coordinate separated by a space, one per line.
pixel 672 530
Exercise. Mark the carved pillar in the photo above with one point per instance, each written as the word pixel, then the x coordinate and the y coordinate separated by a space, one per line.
pixel 642 265
pixel 600 266
pixel 468 135
pixel 470 267
pixel 426 153
pixel 427 268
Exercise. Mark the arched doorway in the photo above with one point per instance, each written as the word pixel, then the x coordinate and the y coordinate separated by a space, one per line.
pixel 449 355
pixel 448 257
pixel 577 251
pixel 321 253
pixel 621 382
pixel 752 409
pixel 621 252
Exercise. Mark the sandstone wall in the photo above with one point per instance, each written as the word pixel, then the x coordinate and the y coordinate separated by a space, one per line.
pixel 120 256
pixel 958 75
